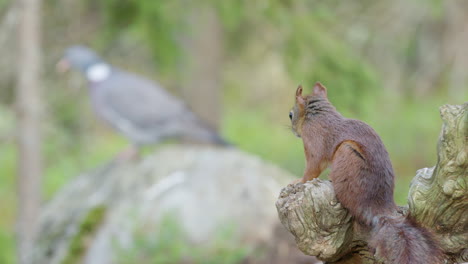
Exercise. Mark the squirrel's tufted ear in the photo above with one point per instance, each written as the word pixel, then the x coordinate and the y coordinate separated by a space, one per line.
pixel 319 90
pixel 299 99
pixel 299 90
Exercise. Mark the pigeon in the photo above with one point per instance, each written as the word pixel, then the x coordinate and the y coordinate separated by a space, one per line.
pixel 137 107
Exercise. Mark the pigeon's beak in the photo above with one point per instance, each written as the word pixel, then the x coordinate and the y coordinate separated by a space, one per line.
pixel 62 66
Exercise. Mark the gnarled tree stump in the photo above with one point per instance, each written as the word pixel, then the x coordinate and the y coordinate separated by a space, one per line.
pixel 437 200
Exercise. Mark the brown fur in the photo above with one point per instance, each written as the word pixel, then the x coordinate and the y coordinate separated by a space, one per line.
pixel 361 174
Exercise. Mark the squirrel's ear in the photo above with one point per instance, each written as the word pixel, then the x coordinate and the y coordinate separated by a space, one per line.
pixel 319 90
pixel 299 99
pixel 299 90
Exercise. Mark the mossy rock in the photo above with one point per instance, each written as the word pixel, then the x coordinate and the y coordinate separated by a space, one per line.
pixel 97 215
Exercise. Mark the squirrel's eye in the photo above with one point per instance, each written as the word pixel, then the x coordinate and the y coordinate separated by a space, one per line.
pixel 290 115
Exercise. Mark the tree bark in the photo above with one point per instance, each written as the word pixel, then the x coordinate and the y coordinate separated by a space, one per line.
pixel 437 200
pixel 28 127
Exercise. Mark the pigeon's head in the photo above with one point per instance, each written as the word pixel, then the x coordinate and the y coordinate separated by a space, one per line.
pixel 78 57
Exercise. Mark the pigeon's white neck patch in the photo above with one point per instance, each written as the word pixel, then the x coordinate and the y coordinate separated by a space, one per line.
pixel 98 72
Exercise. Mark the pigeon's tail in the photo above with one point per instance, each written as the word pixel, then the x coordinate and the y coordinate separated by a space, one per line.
pixel 204 134
pixel 218 140
pixel 198 131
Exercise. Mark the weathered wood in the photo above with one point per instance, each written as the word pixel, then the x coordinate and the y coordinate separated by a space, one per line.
pixel 438 196
pixel 437 199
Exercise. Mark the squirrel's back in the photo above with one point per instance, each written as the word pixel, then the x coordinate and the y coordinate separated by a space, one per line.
pixel 361 171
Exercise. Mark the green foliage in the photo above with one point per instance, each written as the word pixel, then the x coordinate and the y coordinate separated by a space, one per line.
pixel 7 187
pixel 231 13
pixel 3 5
pixel 156 22
pixel 95 150
pixel 87 230
pixel 256 133
pixel 310 51
pixel 312 54
pixel 170 245
pixel 7 247
pixel 296 31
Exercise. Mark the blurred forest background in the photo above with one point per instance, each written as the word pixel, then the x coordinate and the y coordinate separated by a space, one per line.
pixel 388 63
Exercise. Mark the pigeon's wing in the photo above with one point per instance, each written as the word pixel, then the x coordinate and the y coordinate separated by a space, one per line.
pixel 140 108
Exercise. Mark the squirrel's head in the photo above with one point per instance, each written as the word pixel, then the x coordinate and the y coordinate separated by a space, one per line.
pixel 298 112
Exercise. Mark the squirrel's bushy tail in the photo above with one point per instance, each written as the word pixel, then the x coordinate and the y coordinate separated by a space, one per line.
pixel 399 240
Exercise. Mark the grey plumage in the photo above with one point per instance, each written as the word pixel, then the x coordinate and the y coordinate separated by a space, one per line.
pixel 137 107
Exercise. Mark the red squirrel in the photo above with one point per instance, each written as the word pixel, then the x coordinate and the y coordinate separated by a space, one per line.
pixel 362 177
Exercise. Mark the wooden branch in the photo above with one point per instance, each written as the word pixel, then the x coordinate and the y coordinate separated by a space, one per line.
pixel 438 200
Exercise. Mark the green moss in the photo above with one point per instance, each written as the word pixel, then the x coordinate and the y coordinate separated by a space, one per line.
pixel 169 244
pixel 87 230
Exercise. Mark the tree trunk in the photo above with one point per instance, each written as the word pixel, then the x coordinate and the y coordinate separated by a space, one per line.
pixel 437 201
pixel 28 127
pixel 203 53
